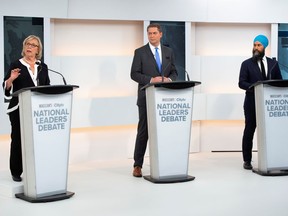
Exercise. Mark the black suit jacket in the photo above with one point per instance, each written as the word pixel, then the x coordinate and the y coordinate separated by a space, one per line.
pixel 24 80
pixel 250 73
pixel 144 67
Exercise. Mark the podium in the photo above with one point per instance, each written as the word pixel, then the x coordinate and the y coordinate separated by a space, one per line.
pixel 169 115
pixel 271 100
pixel 45 120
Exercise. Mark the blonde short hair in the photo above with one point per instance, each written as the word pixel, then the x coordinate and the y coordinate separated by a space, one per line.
pixel 40 47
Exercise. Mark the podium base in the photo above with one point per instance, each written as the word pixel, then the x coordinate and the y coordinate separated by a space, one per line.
pixel 271 173
pixel 169 180
pixel 45 199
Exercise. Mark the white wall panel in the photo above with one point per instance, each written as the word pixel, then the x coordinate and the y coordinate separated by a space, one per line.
pixel 257 11
pixel 36 8
pixel 223 136
pixel 195 138
pixel 226 39
pixel 109 111
pixel 220 74
pixel 4 118
pixel 95 37
pixel 225 107
pixel 107 95
pixel 180 10
pixel 98 76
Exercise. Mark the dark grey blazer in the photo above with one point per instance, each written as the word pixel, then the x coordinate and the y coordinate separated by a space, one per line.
pixel 144 67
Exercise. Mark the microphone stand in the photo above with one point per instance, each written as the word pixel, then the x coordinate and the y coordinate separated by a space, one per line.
pixel 59 74
pixel 40 66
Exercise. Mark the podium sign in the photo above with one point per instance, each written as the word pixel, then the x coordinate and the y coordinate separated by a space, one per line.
pixel 271 98
pixel 45 119
pixel 169 113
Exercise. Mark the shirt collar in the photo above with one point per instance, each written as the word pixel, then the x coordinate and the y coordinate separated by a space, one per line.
pixel 153 47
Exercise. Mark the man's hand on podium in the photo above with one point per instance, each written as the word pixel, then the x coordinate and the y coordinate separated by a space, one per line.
pixel 159 79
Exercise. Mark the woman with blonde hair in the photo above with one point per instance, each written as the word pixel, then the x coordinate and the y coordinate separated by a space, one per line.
pixel 28 71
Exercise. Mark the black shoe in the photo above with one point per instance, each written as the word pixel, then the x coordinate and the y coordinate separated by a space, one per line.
pixel 247 165
pixel 17 178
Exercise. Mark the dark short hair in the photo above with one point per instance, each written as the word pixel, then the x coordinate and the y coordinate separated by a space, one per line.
pixel 154 25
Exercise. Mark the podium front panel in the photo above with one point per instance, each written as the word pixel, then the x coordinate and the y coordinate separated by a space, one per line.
pixel 45 131
pixel 169 114
pixel 272 121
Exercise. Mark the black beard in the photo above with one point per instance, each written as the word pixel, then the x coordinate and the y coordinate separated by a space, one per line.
pixel 257 55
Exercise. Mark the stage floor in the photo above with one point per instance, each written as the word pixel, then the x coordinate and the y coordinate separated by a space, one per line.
pixel 221 188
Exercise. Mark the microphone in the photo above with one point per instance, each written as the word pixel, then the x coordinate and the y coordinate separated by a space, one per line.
pixel 284 66
pixel 162 73
pixel 273 66
pixel 40 66
pixel 182 69
pixel 188 78
pixel 38 72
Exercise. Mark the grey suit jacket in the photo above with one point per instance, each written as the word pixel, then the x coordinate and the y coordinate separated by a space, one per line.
pixel 144 68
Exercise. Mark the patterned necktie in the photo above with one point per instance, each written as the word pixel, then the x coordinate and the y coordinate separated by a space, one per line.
pixel 263 69
pixel 157 57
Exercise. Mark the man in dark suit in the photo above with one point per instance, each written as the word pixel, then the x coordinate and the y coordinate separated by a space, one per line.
pixel 258 67
pixel 151 63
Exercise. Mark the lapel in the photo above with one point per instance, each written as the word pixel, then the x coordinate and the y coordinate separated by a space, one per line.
pixel 270 65
pixel 257 70
pixel 26 75
pixel 165 59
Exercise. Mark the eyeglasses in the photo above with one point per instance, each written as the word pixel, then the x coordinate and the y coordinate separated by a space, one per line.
pixel 31 45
